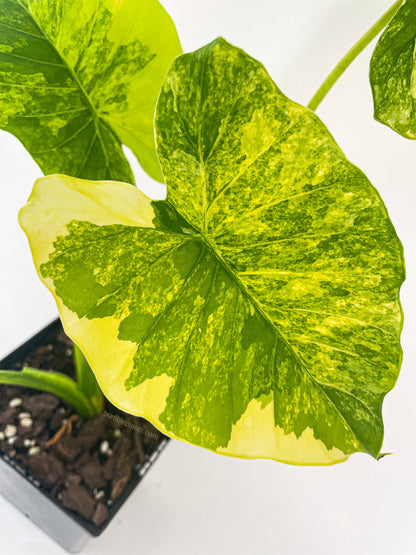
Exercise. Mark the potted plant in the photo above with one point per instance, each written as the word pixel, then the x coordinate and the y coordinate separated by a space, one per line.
pixel 67 461
pixel 178 313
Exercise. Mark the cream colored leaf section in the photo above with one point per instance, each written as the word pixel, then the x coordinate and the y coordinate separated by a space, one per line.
pixel 112 362
pixel 64 199
pixel 256 433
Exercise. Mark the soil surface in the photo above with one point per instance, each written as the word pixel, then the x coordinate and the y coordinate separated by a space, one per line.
pixel 84 465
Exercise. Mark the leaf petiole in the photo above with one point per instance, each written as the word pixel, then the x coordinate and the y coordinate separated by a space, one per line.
pixel 87 381
pixel 51 382
pixel 350 56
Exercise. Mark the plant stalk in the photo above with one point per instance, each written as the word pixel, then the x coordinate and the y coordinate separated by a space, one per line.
pixel 350 56
pixel 86 380
pixel 51 382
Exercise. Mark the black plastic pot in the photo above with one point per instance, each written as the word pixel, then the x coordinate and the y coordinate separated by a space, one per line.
pixel 26 493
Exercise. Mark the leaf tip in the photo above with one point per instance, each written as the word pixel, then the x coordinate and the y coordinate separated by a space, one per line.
pixel 382 455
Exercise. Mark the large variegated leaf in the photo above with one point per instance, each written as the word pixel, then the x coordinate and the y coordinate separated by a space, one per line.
pixel 393 73
pixel 78 78
pixel 255 312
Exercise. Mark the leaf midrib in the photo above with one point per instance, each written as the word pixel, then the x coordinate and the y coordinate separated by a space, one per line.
pixel 278 333
pixel 218 257
pixel 95 116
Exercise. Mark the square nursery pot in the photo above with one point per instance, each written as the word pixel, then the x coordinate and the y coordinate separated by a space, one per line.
pixel 124 450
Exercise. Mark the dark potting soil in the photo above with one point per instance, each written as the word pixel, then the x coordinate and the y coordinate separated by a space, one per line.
pixel 84 465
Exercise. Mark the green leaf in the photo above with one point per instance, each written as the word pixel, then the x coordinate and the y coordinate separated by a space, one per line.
pixel 393 73
pixel 256 311
pixel 51 382
pixel 77 79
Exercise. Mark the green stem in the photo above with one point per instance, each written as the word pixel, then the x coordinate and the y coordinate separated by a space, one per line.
pixel 87 382
pixel 51 382
pixel 351 55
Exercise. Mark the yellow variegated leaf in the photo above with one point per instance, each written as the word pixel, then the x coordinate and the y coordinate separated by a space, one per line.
pixel 78 78
pixel 256 311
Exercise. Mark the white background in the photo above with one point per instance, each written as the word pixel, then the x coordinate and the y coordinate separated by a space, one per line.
pixel 196 502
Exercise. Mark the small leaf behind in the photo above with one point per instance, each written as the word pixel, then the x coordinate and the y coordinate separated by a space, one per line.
pixel 77 79
pixel 393 73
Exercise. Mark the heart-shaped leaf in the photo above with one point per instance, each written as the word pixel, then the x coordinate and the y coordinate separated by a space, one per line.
pixel 393 73
pixel 77 79
pixel 256 311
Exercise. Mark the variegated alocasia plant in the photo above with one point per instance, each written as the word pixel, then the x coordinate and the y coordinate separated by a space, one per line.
pixel 79 78
pixel 255 312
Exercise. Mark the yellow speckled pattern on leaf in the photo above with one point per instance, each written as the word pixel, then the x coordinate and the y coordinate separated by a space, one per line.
pixel 78 78
pixel 256 311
